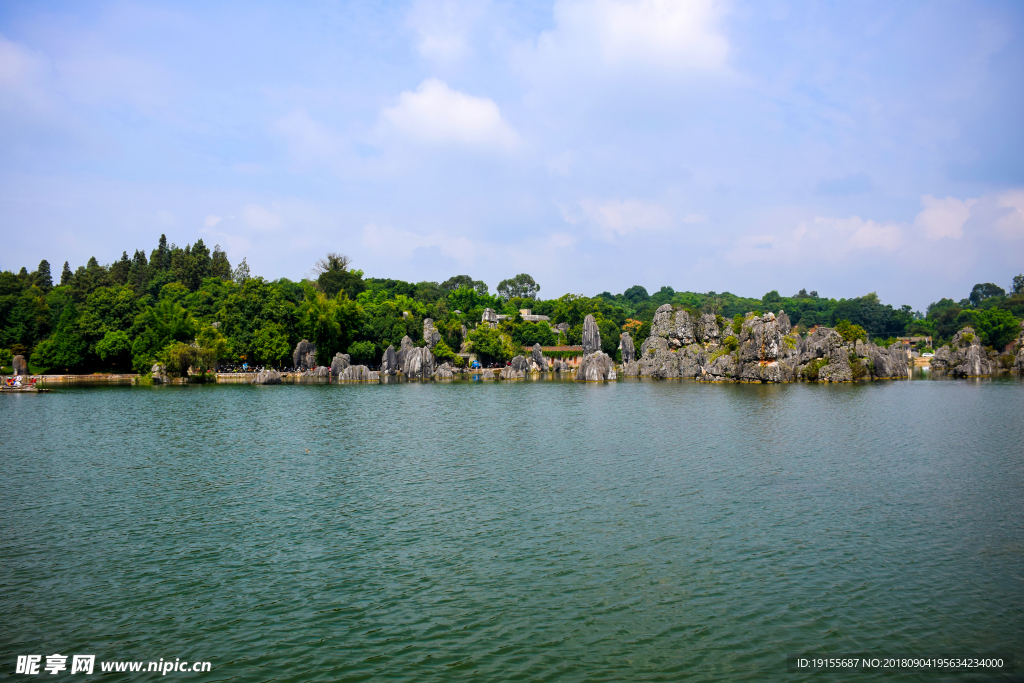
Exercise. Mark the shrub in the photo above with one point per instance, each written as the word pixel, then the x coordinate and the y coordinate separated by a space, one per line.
pixel 443 352
pixel 859 369
pixel 967 338
pixel 737 324
pixel 810 372
pixel 363 352
pixel 850 332
pixel 730 343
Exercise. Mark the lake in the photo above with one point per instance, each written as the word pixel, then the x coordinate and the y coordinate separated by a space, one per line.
pixel 550 531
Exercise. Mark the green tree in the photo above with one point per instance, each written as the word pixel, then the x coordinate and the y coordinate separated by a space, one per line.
pixel 219 265
pixel 115 349
pixel 66 349
pixel 490 345
pixel 362 352
pixel 270 345
pixel 328 322
pixel 43 278
pixel 521 286
pixel 464 281
pixel 157 327
pixel 850 332
pixel 997 327
pixel 982 291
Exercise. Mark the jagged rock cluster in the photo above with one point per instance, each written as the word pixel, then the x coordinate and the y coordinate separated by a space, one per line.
pixel 1018 361
pixel 389 362
pixel 268 376
pixel 430 334
pixel 358 373
pixel 158 371
pixel 763 349
pixel 304 356
pixel 339 363
pixel 964 357
pixel 20 366
pixel 595 365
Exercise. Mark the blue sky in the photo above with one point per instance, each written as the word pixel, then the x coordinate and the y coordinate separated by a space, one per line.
pixel 740 146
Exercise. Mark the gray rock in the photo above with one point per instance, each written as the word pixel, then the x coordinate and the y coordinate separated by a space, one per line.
pixel 389 362
pixel 591 336
pixel 761 371
pixel 159 372
pixel 560 366
pixel 520 364
pixel 784 325
pixel 658 360
pixel 563 329
pixel 489 317
pixel 691 360
pixel 838 368
pixel 403 351
pixel 597 367
pixel 888 363
pixel 631 369
pixel 20 365
pixel 538 358
pixel 267 376
pixel 628 350
pixel 675 326
pixel 723 368
pixel 509 372
pixel 339 363
pixel 430 333
pixel 319 371
pixel 358 373
pixel 759 338
pixel 816 345
pixel 1018 360
pixel 444 371
pixel 708 330
pixel 419 363
pixel 304 356
pixel 964 357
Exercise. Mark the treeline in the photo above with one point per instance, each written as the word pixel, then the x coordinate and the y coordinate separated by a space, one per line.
pixel 188 307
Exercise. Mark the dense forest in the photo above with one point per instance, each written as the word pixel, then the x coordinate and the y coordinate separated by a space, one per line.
pixel 189 307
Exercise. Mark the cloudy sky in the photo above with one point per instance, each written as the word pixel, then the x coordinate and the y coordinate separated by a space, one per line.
pixel 740 146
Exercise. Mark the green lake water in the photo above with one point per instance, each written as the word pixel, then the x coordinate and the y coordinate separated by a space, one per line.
pixel 548 531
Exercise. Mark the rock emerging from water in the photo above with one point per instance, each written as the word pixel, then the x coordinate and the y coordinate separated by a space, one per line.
pixel 404 350
pixel 339 363
pixel 591 336
pixel 267 376
pixel 537 356
pixel 358 373
pixel 20 365
pixel 627 348
pixel 964 356
pixel 389 362
pixel 159 372
pixel 304 356
pixel 1018 361
pixel 597 367
pixel 320 371
pixel 430 334
pixel 444 371
pixel 419 363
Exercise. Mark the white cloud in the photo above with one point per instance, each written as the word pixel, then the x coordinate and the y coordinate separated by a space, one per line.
pixel 436 114
pixel 259 218
pixel 673 35
pixel 309 142
pixel 212 221
pixel 402 244
pixel 943 217
pixel 443 27
pixel 624 217
pixel 1011 225
pixel 823 240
